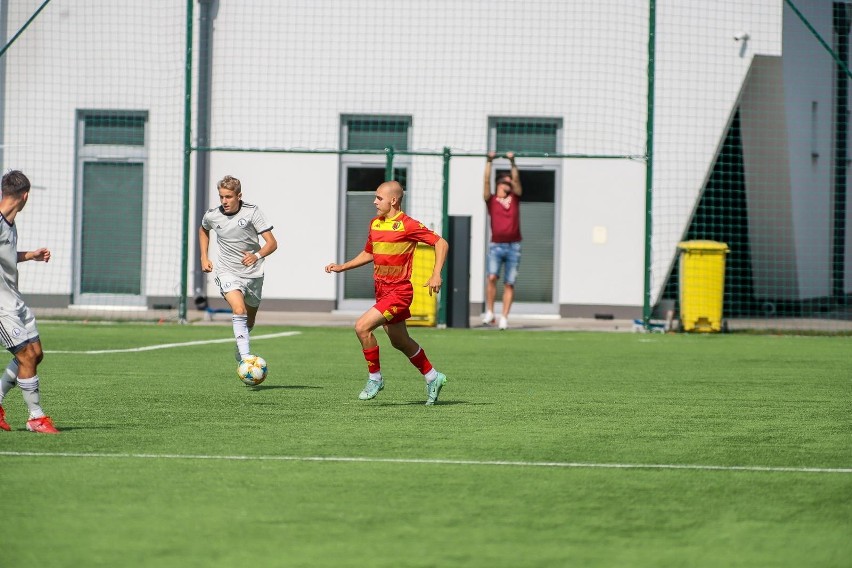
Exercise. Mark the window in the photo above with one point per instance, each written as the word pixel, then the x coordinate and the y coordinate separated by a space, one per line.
pixel 110 207
pixel 526 135
pixel 541 181
pixel 364 133
pixel 110 128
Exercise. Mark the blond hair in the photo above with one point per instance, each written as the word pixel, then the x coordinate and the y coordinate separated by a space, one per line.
pixel 230 183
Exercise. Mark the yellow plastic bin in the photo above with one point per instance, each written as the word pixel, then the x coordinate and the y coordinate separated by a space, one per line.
pixel 702 285
pixel 424 307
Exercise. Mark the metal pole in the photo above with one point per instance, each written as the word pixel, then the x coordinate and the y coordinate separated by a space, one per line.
pixel 389 164
pixel 202 126
pixel 445 227
pixel 187 154
pixel 649 161
pixel 26 24
pixel 4 13
pixel 842 21
pixel 819 39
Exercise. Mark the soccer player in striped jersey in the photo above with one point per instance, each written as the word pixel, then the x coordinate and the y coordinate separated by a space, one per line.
pixel 390 247
pixel 18 331
pixel 239 272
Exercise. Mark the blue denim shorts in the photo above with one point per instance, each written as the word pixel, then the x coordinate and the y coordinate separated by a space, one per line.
pixel 508 254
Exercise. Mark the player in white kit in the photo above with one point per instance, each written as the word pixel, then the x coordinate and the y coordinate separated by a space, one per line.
pixel 18 331
pixel 239 269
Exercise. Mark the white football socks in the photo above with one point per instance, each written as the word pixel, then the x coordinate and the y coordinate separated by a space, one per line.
pixel 241 333
pixel 29 387
pixel 7 382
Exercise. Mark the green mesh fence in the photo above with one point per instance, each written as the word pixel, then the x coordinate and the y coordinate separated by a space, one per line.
pixel 741 140
pixel 409 81
pixel 92 113
pixel 770 180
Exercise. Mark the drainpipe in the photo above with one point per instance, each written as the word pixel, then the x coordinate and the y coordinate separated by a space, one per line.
pixel 4 16
pixel 842 18
pixel 202 129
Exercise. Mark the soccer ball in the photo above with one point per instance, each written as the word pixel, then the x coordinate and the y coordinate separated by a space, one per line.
pixel 252 370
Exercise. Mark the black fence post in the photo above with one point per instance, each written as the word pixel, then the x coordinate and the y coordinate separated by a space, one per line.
pixel 458 272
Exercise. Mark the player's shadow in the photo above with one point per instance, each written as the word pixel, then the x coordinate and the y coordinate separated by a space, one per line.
pixel 439 403
pixel 289 387
pixel 62 428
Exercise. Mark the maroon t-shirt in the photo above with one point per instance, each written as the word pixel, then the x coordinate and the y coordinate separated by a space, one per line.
pixel 505 219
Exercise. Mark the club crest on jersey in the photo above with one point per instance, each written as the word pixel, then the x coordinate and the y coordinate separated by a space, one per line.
pixel 396 225
pixel 242 223
pixel 16 331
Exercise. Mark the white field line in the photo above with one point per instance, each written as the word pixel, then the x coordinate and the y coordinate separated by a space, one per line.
pixel 173 345
pixel 419 461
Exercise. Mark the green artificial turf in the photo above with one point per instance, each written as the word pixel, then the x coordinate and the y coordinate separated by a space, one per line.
pixel 545 449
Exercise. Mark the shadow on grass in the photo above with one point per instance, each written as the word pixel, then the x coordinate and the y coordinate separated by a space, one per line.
pixel 439 403
pixel 289 387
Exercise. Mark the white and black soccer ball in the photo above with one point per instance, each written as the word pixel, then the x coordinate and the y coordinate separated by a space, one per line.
pixel 252 370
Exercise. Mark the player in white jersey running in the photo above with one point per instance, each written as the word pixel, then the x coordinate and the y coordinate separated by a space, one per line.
pixel 18 331
pixel 239 268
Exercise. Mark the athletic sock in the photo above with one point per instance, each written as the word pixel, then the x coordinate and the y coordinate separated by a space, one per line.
pixel 422 363
pixel 241 333
pixel 7 382
pixel 372 357
pixel 29 388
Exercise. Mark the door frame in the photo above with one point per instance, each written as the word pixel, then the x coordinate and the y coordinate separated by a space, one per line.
pixel 107 153
pixel 533 308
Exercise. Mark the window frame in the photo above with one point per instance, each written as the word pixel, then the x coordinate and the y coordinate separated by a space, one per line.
pixel 108 153
pixel 375 159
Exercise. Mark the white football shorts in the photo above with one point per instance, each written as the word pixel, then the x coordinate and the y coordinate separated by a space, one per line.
pixel 252 288
pixel 18 328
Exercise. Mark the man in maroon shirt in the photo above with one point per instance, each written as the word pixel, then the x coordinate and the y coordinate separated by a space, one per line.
pixel 504 250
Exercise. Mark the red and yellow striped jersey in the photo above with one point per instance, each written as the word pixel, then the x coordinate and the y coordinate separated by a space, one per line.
pixel 392 242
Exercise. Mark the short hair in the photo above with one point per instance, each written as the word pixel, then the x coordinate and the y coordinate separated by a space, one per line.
pixel 230 183
pixel 14 181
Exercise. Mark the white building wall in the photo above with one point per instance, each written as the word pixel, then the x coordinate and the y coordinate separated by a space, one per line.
pixel 482 75
pixel 284 73
pixel 809 79
pixel 97 55
pixel 787 169
pixel 297 193
pixel 700 71
pixel 440 66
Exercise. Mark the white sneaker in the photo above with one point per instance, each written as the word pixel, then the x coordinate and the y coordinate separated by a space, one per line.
pixel 488 318
pixel 504 323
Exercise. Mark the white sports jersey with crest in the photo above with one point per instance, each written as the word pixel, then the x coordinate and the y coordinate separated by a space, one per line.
pixel 10 298
pixel 236 234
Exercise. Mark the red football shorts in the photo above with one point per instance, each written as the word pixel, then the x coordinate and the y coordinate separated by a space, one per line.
pixel 394 300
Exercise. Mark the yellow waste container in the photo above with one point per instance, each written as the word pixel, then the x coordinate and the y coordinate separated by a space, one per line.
pixel 424 307
pixel 702 285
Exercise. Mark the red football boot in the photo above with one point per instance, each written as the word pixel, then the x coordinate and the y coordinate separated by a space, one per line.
pixel 3 424
pixel 43 425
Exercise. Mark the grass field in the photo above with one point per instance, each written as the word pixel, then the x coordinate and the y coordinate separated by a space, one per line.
pixel 545 449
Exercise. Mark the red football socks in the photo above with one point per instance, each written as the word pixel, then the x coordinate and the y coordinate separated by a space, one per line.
pixel 420 361
pixel 372 357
